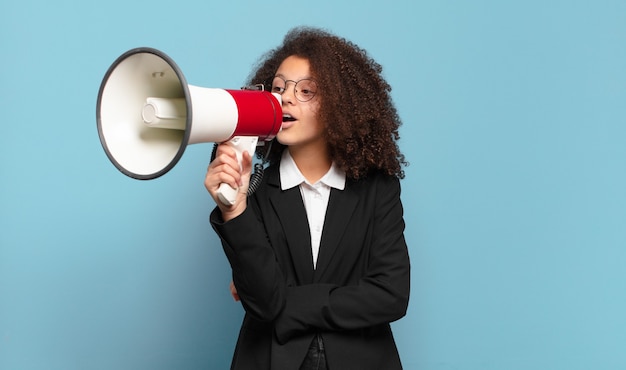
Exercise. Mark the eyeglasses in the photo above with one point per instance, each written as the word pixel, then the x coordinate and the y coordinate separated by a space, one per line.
pixel 304 89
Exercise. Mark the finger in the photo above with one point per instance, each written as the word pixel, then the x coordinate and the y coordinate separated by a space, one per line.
pixel 220 174
pixel 246 167
pixel 233 291
pixel 223 168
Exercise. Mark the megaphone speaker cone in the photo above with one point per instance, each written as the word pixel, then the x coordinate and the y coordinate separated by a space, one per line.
pixel 136 149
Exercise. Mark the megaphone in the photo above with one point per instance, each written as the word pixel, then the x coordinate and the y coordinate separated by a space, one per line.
pixel 147 114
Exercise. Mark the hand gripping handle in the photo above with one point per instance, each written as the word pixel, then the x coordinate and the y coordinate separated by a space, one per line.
pixel 226 194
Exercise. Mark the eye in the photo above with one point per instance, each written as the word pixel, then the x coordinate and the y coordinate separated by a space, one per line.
pixel 307 92
pixel 278 85
pixel 278 89
pixel 307 89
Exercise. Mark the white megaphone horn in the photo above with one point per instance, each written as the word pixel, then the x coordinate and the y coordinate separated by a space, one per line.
pixel 147 115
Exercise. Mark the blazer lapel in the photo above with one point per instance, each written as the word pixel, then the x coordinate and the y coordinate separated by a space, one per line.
pixel 290 210
pixel 341 205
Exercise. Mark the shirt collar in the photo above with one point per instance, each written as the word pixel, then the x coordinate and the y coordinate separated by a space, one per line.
pixel 290 175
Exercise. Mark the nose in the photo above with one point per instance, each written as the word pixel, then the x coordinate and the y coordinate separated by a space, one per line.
pixel 289 94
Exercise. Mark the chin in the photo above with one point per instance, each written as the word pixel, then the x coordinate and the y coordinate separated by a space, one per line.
pixel 284 140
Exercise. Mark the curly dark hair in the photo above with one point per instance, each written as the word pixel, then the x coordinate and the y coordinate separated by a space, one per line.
pixel 361 122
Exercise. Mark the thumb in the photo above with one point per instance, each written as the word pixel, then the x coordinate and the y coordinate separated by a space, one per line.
pixel 246 170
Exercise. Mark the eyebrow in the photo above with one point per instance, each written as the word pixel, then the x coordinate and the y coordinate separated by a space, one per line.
pixel 287 79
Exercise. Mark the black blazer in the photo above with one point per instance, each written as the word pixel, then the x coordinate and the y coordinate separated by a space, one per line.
pixel 361 283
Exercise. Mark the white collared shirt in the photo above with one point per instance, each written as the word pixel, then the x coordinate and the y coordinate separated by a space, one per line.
pixel 315 196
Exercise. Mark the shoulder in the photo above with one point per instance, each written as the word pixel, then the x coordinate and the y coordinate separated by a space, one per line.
pixel 375 181
pixel 377 191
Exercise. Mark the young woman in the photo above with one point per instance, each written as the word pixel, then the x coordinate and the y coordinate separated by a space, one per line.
pixel 318 254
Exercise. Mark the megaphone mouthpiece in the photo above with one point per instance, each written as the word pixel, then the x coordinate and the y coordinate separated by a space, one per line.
pixel 165 113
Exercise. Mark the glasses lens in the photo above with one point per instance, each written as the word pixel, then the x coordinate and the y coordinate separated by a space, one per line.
pixel 305 89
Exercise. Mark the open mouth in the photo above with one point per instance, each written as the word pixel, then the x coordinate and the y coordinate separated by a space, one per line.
pixel 288 118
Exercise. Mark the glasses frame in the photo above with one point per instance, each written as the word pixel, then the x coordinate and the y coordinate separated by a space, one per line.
pixel 295 88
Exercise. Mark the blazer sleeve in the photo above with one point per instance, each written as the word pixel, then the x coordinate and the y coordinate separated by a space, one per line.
pixel 256 273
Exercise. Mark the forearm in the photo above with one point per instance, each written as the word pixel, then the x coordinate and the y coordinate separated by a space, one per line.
pixel 256 273
pixel 372 301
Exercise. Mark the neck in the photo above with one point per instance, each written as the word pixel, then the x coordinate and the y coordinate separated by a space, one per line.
pixel 313 162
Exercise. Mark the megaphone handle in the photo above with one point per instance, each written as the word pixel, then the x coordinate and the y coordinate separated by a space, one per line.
pixel 225 193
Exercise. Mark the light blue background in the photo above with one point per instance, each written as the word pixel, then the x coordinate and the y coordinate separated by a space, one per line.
pixel 514 123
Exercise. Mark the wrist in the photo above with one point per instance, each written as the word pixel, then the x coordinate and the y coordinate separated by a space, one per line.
pixel 228 213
